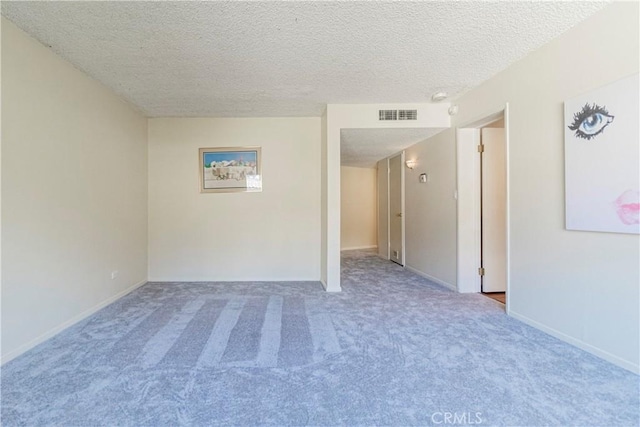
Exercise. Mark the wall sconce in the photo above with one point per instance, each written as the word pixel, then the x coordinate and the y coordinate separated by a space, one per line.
pixel 410 164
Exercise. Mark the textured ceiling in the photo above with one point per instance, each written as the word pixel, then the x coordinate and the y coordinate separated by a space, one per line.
pixel 290 58
pixel 364 147
pixel 270 59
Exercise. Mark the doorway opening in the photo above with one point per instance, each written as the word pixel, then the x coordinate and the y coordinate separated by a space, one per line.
pixel 483 180
pixel 391 218
pixel 379 152
pixel 396 208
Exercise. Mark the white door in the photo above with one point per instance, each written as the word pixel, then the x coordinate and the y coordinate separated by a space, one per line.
pixel 383 208
pixel 396 220
pixel 494 205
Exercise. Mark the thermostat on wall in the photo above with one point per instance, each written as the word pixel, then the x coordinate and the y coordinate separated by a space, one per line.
pixel 423 177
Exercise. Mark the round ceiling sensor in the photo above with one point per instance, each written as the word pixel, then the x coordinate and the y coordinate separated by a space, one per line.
pixel 439 96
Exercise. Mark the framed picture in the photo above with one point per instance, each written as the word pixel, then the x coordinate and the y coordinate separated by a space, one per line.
pixel 224 170
pixel 602 147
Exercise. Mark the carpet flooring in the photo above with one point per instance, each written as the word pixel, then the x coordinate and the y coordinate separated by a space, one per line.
pixel 391 349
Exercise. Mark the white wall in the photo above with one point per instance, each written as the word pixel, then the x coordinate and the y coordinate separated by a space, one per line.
pixel 358 208
pixel 271 235
pixel 324 212
pixel 468 192
pixel 580 286
pixel 430 219
pixel 331 200
pixel 74 189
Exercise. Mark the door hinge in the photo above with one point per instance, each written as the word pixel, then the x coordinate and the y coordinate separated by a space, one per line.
pixel 481 148
pixel 481 271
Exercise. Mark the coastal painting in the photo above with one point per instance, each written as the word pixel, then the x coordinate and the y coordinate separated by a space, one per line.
pixel 602 148
pixel 224 170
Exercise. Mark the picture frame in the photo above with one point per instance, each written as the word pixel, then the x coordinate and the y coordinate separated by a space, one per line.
pixel 602 146
pixel 230 169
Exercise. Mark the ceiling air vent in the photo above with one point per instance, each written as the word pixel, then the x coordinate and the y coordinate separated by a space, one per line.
pixel 407 114
pixel 398 114
pixel 388 114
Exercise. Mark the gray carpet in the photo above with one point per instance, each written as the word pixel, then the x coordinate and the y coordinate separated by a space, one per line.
pixel 392 349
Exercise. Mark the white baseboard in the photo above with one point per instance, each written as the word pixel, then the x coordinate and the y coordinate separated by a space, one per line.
pixel 55 331
pixel 578 343
pixel 433 279
pixel 328 289
pixel 230 279
pixel 355 248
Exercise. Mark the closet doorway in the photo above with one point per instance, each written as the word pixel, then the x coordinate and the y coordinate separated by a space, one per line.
pixel 483 181
pixel 396 209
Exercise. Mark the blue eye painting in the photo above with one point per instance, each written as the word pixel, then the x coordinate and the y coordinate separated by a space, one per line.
pixel 601 171
pixel 590 121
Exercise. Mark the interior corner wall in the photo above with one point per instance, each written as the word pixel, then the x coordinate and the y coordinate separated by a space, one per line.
pixel 358 208
pixel 243 236
pixel 430 209
pixel 324 231
pixel 331 166
pixel 577 285
pixel 74 193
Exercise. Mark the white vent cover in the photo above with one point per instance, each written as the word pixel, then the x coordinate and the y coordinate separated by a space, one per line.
pixel 398 114
pixel 388 114
pixel 407 114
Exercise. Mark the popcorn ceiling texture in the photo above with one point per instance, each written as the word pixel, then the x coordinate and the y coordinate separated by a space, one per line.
pixel 252 59
pixel 364 147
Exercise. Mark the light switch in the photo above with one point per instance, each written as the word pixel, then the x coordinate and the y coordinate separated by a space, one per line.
pixel 423 178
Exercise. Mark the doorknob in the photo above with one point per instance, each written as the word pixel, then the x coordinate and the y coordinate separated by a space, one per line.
pixel 399 214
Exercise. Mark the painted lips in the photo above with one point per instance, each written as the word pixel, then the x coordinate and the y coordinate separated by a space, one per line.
pixel 628 207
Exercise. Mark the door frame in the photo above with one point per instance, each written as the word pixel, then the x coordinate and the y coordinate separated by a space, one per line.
pixel 382 197
pixel 402 205
pixel 468 194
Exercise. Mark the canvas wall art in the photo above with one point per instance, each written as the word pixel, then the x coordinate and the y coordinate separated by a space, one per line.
pixel 602 158
pixel 224 170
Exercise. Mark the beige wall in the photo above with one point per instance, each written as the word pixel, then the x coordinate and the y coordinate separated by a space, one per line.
pixel 430 220
pixel 358 208
pixel 74 190
pixel 496 124
pixel 579 286
pixel 324 212
pixel 271 235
